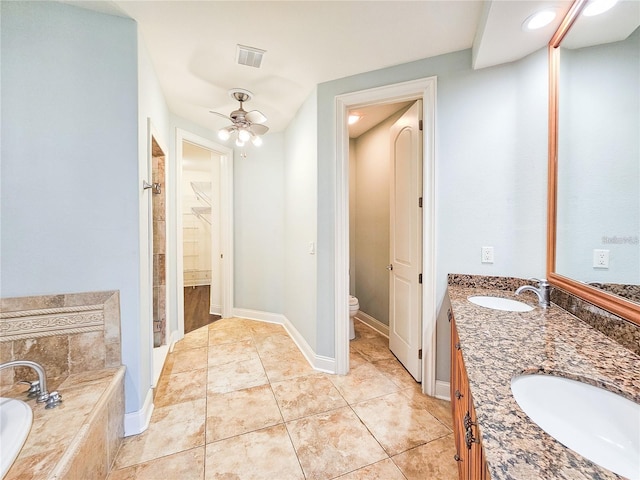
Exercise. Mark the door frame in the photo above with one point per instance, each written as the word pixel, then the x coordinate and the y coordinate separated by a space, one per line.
pixel 226 222
pixel 425 89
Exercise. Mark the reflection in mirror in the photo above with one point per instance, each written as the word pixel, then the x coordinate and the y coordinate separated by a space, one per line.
pixel 598 183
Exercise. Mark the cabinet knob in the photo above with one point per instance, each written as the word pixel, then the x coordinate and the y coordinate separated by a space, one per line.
pixel 457 458
pixel 458 395
pixel 457 345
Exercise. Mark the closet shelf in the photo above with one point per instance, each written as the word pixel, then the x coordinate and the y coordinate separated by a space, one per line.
pixel 202 191
pixel 203 213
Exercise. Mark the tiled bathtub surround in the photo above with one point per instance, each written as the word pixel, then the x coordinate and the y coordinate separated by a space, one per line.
pixel 78 439
pixel 76 338
pixel 66 334
pixel 497 346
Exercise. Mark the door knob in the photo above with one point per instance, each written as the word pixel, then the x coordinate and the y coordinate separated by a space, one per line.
pixel 390 267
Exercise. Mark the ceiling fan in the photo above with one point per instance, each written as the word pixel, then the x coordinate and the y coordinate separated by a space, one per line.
pixel 246 125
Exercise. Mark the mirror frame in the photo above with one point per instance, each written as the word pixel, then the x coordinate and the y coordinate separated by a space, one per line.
pixel 612 303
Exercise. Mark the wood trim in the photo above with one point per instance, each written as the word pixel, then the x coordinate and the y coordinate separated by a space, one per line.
pixel 612 303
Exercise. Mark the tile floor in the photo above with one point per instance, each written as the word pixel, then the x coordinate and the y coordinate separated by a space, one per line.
pixel 237 400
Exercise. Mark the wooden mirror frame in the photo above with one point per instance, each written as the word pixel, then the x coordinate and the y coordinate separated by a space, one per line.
pixel 612 303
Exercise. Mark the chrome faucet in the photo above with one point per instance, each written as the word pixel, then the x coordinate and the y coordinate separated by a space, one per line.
pixel 38 388
pixel 543 291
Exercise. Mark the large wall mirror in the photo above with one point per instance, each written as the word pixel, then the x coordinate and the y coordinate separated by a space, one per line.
pixel 594 157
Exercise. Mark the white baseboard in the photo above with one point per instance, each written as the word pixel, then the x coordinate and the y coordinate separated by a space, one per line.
pixel 443 390
pixel 259 315
pixel 215 309
pixel 317 362
pixel 371 322
pixel 138 422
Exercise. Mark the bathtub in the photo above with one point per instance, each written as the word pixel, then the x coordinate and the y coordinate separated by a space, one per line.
pixel 16 418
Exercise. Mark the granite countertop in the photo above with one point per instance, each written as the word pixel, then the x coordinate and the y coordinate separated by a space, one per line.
pixel 498 345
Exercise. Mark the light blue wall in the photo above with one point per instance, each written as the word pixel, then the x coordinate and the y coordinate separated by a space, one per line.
pixel 259 226
pixel 491 165
pixel 69 213
pixel 300 219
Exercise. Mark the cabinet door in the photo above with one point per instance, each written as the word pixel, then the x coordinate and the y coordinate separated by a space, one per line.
pixel 470 454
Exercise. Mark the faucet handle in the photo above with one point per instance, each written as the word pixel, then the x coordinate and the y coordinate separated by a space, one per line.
pixel 34 387
pixel 541 281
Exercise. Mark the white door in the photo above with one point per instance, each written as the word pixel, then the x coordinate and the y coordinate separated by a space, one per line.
pixel 405 289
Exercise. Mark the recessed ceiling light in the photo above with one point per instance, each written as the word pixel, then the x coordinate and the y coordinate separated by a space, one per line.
pixel 353 118
pixel 596 7
pixel 539 19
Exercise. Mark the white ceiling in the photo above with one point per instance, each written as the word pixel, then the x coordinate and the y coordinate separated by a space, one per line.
pixel 192 44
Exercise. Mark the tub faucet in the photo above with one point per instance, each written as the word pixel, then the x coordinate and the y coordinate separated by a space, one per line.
pixel 543 291
pixel 37 389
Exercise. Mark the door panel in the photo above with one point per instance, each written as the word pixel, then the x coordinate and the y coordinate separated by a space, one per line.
pixel 405 295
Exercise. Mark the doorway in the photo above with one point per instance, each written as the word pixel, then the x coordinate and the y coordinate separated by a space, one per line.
pixel 200 190
pixel 424 89
pixel 385 225
pixel 204 180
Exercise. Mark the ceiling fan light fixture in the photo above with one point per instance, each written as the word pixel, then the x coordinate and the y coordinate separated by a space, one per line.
pixel 243 135
pixel 239 142
pixel 256 140
pixel 224 134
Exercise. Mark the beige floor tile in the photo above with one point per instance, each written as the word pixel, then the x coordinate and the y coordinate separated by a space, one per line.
pixel 172 429
pixel 184 465
pixel 373 349
pixel 286 364
pixel 232 353
pixel 398 422
pixel 333 443
pixel 441 409
pixel 234 322
pixel 274 343
pixel 236 376
pixel 261 455
pixel 383 470
pixel 241 411
pixel 181 387
pixel 394 371
pixel 261 329
pixel 195 339
pixel 185 360
pixel 363 382
pixel 307 395
pixel 229 335
pixel 433 460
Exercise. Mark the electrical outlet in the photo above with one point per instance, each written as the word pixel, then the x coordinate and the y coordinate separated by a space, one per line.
pixel 600 258
pixel 486 255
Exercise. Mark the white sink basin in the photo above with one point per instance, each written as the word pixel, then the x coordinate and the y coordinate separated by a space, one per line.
pixel 597 424
pixel 498 303
pixel 15 424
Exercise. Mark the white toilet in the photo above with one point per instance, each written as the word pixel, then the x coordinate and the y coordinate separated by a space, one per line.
pixel 354 306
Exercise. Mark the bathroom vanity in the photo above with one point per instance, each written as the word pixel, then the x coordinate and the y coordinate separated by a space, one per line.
pixel 495 438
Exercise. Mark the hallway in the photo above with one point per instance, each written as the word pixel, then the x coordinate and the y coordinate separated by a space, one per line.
pixel 238 400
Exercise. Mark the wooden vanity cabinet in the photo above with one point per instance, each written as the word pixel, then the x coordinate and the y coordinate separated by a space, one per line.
pixel 469 453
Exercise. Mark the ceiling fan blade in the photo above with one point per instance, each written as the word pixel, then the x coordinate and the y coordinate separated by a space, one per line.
pixel 221 115
pixel 258 129
pixel 255 116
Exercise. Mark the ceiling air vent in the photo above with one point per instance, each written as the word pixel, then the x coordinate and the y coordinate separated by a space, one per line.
pixel 249 56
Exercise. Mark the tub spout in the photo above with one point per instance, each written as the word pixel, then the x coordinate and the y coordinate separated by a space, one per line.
pixel 40 391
